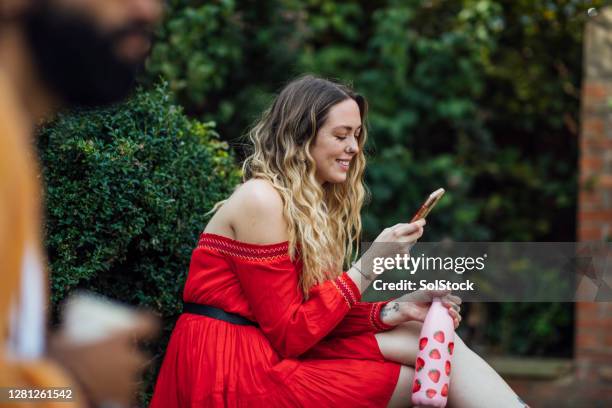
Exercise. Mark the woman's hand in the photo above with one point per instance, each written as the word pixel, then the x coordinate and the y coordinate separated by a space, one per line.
pixel 415 305
pixel 404 235
pixel 395 240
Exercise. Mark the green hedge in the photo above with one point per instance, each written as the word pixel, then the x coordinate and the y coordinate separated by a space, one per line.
pixel 126 192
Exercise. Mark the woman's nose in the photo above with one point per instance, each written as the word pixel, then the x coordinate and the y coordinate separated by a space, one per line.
pixel 353 146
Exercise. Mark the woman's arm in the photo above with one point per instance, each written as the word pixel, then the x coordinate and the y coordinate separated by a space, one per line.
pixel 363 317
pixel 382 316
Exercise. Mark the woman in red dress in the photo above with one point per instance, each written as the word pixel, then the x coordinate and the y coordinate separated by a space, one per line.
pixel 271 317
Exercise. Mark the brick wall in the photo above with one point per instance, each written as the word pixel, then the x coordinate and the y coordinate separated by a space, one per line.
pixel 595 148
pixel 593 342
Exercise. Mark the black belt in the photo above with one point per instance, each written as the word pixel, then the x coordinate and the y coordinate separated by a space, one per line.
pixel 217 313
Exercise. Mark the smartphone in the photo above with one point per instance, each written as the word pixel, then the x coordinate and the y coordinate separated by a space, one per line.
pixel 88 317
pixel 429 203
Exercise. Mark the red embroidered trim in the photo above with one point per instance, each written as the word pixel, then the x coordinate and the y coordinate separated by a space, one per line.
pixel 243 250
pixel 346 289
pixel 375 319
pixel 346 299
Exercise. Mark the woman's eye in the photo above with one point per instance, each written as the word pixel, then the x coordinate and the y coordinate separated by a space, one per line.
pixel 340 137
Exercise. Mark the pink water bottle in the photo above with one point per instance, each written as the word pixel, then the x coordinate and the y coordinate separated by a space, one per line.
pixel 433 363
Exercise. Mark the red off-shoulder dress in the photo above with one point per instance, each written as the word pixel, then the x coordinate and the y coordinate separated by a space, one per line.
pixel 319 352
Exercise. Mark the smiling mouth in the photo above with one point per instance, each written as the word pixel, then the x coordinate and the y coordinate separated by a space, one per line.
pixel 344 164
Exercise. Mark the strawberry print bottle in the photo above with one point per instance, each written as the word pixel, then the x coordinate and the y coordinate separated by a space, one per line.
pixel 433 363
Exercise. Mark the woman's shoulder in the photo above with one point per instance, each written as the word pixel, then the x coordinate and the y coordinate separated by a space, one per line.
pixel 260 190
pixel 256 209
pixel 257 195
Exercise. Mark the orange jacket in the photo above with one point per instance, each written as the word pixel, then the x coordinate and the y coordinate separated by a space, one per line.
pixel 20 223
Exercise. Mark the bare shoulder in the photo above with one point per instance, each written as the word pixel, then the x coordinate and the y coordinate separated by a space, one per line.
pixel 256 213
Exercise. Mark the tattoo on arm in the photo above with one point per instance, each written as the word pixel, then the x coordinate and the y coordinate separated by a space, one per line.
pixel 389 308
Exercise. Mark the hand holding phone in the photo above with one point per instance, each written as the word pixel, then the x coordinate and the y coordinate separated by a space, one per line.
pixel 404 234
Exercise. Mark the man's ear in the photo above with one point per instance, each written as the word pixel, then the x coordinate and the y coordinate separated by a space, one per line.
pixel 12 9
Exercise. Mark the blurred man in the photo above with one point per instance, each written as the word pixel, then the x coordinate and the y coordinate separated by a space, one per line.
pixel 57 53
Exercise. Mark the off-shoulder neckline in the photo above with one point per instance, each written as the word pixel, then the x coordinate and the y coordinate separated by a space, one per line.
pixel 242 243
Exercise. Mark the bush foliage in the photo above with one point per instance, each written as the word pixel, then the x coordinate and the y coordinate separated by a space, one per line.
pixel 126 191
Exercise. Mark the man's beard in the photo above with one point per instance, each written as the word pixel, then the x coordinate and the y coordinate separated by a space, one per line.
pixel 77 61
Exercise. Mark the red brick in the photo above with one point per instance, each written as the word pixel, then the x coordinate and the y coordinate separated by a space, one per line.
pixel 601 215
pixel 591 164
pixel 589 338
pixel 594 311
pixel 593 127
pixel 589 200
pixel 595 323
pixel 590 234
pixel 591 358
pixel 605 181
pixel 583 314
pixel 596 143
pixel 594 92
pixel 590 147
pixel 589 223
pixel 587 306
pixel 591 206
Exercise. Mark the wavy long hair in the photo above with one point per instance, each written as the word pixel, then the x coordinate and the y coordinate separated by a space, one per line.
pixel 324 221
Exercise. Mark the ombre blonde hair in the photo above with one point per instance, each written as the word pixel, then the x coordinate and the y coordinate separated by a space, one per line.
pixel 324 221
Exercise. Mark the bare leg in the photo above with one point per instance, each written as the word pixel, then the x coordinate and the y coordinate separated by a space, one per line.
pixel 402 393
pixel 474 383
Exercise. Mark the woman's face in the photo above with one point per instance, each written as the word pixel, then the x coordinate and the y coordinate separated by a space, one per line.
pixel 336 142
